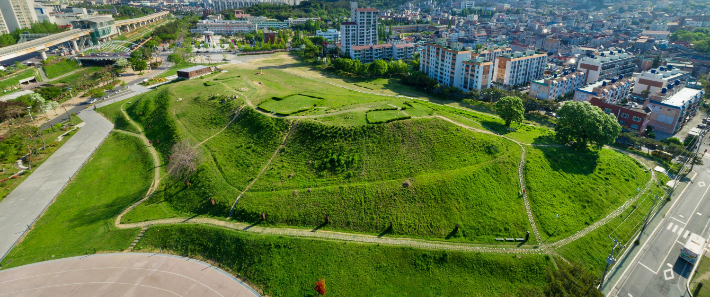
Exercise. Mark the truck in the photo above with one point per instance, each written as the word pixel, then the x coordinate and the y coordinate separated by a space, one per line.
pixel 663 155
pixel 693 248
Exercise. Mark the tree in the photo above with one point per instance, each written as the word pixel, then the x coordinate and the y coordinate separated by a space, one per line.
pixel 151 44
pixel 320 287
pixel 378 67
pixel 492 94
pixel 645 93
pixel 139 65
pixel 656 62
pixel 510 109
pixel 184 159
pixel 582 123
pixel 121 63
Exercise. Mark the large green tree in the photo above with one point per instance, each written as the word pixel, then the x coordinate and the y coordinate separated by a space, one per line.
pixel 378 67
pixel 583 123
pixel 510 109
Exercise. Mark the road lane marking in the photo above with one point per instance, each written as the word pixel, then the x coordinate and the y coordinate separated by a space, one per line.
pixel 681 216
pixel 675 228
pixel 649 269
pixel 668 274
pixel 670 225
pixel 669 265
pixel 701 184
pixel 700 214
pixel 678 220
pixel 679 242
pixel 686 234
pixel 680 231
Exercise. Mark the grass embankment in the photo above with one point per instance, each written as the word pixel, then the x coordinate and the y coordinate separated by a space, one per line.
pixel 290 267
pixel 59 68
pixel 592 249
pixel 114 114
pixel 14 81
pixel 425 176
pixel 700 284
pixel 290 104
pixel 77 76
pixel 80 221
pixel 580 187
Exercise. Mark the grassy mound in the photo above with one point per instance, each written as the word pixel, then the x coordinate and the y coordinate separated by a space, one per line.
pixel 59 68
pixel 79 221
pixel 423 175
pixel 289 104
pixel 281 266
pixel 114 114
pixel 582 187
pixel 385 116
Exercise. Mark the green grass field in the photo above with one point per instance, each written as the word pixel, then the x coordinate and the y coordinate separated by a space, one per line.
pixel 280 266
pixel 80 221
pixel 59 68
pixel 83 73
pixel 385 116
pixel 113 113
pixel 290 104
pixel 580 187
pixel 702 276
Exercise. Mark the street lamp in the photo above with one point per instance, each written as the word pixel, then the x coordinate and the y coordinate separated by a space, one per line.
pixel 70 95
pixel 30 113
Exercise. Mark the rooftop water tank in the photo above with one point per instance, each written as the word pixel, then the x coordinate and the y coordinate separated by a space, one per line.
pixel 677 82
pixel 653 70
pixel 661 68
pixel 670 67
pixel 621 76
pixel 664 90
pixel 604 84
pixel 670 87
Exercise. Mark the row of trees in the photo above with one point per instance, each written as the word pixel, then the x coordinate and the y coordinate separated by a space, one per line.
pixel 700 37
pixel 376 68
pixel 262 46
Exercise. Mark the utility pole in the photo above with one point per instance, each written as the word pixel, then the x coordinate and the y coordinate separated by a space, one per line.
pixel 649 213
pixel 609 260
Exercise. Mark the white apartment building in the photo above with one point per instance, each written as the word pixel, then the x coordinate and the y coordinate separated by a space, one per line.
pixel 361 30
pixel 611 91
pixel 3 25
pixel 467 4
pixel 370 53
pixel 223 27
pixel 455 67
pixel 658 26
pixel 607 64
pixel 300 21
pixel 18 14
pixel 556 86
pixel 219 5
pixel 519 68
pixel 332 35
pixel 654 80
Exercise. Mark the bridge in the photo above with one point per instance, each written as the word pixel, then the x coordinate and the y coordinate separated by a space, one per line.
pixel 42 44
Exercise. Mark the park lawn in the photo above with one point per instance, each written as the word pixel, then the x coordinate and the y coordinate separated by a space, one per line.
pixel 357 175
pixel 702 276
pixel 61 67
pixel 75 77
pixel 386 116
pixel 281 266
pixel 581 187
pixel 81 219
pixel 114 114
pixel 592 249
pixel 14 80
pixel 290 104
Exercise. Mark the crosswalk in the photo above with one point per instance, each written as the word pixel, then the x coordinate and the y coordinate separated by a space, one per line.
pixel 678 229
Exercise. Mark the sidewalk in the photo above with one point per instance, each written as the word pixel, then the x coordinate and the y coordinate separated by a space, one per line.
pixel 615 273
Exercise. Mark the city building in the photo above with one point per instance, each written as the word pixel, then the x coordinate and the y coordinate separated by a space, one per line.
pixel 454 67
pixel 361 30
pixel 556 86
pixel 607 64
pixel 658 35
pixel 3 24
pixel 611 91
pixel 332 35
pixel 655 79
pixel 102 27
pixel 468 4
pixel 672 107
pixel 220 5
pixel 17 14
pixel 224 27
pixel 519 68
pixel 194 71
pixel 631 116
pixel 372 52
pixel 300 21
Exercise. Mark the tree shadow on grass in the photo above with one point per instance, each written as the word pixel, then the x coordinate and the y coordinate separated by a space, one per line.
pixel 93 214
pixel 572 161
pixel 319 226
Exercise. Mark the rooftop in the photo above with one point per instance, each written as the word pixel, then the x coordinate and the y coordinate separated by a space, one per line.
pixel 682 97
pixel 193 68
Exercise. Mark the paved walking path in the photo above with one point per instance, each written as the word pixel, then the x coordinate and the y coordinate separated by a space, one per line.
pixel 20 209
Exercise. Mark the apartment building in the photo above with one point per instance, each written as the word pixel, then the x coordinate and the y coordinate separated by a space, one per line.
pixel 673 107
pixel 654 80
pixel 454 67
pixel 370 53
pixel 224 27
pixel 17 14
pixel 556 86
pixel 631 116
pixel 607 64
pixel 3 24
pixel 611 91
pixel 331 35
pixel 519 68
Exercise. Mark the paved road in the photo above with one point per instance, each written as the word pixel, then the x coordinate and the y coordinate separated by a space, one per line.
pixel 125 274
pixel 657 270
pixel 25 204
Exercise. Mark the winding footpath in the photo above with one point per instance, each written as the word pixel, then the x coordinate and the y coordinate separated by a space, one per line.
pixel 373 239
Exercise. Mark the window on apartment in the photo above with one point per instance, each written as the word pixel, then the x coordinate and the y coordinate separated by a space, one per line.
pixel 636 119
pixel 625 115
pixel 607 110
pixel 635 127
pixel 622 123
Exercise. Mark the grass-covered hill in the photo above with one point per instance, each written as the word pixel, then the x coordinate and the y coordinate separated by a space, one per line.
pixel 425 174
